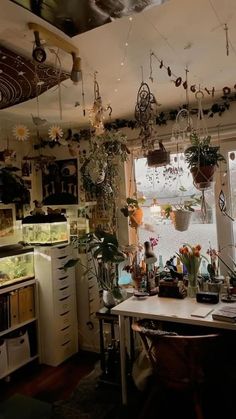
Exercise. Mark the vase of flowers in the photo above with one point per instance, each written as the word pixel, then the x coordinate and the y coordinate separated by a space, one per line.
pixel 191 258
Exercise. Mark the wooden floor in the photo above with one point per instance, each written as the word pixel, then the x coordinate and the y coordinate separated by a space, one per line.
pixel 49 383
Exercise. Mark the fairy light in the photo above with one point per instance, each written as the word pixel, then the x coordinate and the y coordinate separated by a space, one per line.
pixel 126 44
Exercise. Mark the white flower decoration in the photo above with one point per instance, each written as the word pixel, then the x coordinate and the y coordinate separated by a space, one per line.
pixel 21 132
pixel 55 133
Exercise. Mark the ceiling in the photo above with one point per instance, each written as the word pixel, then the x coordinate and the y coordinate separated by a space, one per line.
pixel 180 32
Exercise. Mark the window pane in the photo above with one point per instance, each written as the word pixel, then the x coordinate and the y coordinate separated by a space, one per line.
pixel 172 185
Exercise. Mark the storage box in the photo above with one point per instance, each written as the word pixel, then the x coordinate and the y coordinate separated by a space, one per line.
pixel 18 350
pixel 3 358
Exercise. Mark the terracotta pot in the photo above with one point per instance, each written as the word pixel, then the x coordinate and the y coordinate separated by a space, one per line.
pixel 181 219
pixel 203 176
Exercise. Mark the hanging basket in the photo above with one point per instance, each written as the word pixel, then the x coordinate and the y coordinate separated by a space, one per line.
pixel 158 157
pixel 203 176
pixel 181 219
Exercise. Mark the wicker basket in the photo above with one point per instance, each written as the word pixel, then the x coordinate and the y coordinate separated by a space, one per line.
pixel 158 157
pixel 181 219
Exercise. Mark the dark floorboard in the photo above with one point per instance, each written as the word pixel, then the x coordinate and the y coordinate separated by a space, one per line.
pixel 49 383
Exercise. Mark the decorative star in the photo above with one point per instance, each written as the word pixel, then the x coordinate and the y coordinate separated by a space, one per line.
pixel 4 57
pixel 21 73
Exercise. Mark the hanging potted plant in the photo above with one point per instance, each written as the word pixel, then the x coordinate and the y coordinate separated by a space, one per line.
pixel 202 159
pixel 181 213
pixel 158 157
pixel 132 210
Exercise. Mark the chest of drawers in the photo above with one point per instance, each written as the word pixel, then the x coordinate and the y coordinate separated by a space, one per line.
pixel 57 304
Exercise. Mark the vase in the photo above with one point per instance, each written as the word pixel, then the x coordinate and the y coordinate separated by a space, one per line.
pixel 108 299
pixel 192 285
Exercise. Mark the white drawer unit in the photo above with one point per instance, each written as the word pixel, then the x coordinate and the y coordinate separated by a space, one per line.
pixel 57 304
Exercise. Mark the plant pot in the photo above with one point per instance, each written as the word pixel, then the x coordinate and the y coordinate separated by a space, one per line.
pixel 181 219
pixel 203 176
pixel 108 299
pixel 158 158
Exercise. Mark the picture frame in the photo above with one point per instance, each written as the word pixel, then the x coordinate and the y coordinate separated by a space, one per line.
pixel 7 222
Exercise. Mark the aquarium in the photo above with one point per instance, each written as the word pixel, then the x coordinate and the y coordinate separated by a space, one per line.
pixel 45 230
pixel 16 264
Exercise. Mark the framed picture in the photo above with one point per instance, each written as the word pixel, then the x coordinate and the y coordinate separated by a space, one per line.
pixel 60 183
pixel 7 221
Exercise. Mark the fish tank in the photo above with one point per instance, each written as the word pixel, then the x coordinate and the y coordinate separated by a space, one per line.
pixel 45 230
pixel 16 264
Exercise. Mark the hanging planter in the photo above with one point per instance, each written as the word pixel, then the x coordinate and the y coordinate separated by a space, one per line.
pixel 202 159
pixel 203 176
pixel 181 219
pixel 159 157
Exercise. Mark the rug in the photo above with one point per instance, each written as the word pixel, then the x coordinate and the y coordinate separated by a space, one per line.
pixel 23 407
pixel 95 400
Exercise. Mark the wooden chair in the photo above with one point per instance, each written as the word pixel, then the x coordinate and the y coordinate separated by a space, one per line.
pixel 181 364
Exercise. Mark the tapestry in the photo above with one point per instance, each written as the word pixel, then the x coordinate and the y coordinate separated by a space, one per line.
pixel 22 79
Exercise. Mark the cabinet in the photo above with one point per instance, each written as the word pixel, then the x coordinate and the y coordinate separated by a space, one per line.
pixel 57 304
pixel 18 326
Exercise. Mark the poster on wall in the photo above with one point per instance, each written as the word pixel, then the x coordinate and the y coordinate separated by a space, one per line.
pixel 60 183
pixel 7 220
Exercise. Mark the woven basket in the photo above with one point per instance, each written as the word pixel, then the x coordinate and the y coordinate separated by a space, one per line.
pixel 158 157
pixel 181 219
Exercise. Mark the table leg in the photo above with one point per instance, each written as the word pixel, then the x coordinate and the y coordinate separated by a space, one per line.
pixel 123 359
pixel 102 349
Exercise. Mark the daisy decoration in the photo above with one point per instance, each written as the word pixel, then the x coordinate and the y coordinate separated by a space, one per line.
pixel 55 133
pixel 21 132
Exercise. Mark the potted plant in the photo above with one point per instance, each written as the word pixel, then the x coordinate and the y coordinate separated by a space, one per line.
pixel 202 159
pixel 132 210
pixel 181 213
pixel 107 256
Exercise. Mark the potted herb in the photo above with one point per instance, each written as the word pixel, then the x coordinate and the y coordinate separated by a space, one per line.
pixel 202 159
pixel 107 256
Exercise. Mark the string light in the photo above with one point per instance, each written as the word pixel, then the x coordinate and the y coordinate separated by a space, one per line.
pixel 126 44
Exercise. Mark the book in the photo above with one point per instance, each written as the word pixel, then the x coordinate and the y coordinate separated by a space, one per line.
pixel 226 313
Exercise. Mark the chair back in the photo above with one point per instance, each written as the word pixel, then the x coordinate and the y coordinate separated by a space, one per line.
pixel 179 361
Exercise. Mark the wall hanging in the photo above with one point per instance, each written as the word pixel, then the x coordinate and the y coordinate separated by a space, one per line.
pixel 60 182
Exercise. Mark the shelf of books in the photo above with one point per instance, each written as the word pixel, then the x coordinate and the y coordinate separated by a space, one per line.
pixel 18 326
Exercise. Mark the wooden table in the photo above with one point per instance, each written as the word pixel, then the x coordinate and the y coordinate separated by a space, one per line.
pixel 165 309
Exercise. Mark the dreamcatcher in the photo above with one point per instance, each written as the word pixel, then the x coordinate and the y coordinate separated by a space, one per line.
pixel 145 112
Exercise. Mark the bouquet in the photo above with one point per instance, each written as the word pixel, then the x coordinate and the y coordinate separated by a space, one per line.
pixel 190 257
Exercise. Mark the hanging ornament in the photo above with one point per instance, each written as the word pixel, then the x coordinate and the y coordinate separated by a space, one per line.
pixel 55 133
pixel 222 205
pixel 97 113
pixel 21 132
pixel 232 156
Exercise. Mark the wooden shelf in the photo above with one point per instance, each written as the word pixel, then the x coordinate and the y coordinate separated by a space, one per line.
pixel 11 370
pixel 17 326
pixel 17 285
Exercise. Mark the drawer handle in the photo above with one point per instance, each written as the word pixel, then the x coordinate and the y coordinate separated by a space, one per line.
pixel 64 288
pixel 66 343
pixel 62 278
pixel 62 257
pixel 66 312
pixel 65 328
pixel 64 298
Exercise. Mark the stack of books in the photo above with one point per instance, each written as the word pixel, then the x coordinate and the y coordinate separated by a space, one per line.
pixel 225 313
pixel 16 307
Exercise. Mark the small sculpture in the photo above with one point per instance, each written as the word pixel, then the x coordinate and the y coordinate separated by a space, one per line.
pixel 37 208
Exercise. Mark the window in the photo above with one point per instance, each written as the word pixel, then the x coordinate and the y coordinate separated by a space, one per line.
pixel 172 185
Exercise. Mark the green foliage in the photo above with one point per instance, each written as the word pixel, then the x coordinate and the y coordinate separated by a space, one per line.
pixel 202 153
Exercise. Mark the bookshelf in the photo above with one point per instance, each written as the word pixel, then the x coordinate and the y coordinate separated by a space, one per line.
pixel 18 325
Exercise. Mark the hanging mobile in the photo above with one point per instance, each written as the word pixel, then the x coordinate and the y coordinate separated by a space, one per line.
pixel 222 205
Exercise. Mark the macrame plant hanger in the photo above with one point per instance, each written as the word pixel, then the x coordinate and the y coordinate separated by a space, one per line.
pixel 202 132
